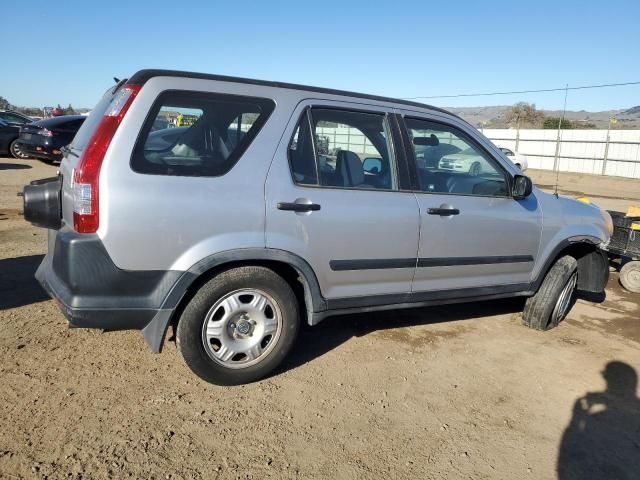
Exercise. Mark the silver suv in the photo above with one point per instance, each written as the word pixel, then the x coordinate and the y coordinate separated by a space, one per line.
pixel 235 209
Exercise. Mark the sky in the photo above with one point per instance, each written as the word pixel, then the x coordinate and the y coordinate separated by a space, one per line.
pixel 68 53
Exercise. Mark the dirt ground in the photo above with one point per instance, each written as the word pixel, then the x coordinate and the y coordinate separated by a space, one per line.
pixel 462 391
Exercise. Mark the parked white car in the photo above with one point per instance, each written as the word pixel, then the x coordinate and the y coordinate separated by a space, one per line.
pixel 518 159
pixel 467 161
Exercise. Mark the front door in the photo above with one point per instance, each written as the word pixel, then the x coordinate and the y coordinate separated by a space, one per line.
pixel 332 198
pixel 474 234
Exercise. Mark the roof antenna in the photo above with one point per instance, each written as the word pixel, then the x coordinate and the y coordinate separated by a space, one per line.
pixel 116 79
pixel 556 165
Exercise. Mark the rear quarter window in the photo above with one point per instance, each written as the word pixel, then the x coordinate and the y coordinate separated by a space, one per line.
pixel 198 134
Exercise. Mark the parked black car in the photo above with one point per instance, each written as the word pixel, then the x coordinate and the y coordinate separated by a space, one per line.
pixel 9 140
pixel 10 123
pixel 45 138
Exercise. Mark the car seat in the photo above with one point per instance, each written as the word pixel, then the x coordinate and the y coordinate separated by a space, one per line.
pixel 349 169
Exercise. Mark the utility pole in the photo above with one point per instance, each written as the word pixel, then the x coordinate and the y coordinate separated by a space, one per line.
pixel 612 120
pixel 556 162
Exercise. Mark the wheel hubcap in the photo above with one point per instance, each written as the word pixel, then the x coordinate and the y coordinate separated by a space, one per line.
pixel 632 277
pixel 564 300
pixel 241 328
pixel 18 151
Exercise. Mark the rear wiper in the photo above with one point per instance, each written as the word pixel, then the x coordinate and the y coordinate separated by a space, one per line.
pixel 118 84
pixel 66 149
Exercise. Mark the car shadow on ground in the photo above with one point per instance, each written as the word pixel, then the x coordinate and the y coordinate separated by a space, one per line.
pixel 603 438
pixel 14 166
pixel 18 287
pixel 315 341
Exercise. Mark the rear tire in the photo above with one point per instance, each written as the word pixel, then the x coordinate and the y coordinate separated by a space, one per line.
pixel 16 152
pixel 475 169
pixel 239 326
pixel 555 297
pixel 630 276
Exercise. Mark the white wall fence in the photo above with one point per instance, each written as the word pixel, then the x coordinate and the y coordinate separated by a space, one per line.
pixel 600 152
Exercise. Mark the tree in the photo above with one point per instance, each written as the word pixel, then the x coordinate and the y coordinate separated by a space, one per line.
pixel 554 122
pixel 4 104
pixel 69 110
pixel 524 115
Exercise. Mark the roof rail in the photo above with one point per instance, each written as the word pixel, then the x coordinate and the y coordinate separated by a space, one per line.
pixel 142 76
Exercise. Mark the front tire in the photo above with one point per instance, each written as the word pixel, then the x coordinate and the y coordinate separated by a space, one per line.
pixel 475 169
pixel 555 297
pixel 239 326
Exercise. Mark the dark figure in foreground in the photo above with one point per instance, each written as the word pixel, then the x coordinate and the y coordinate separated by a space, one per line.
pixel 603 439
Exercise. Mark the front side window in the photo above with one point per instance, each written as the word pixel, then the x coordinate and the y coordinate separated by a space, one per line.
pixel 12 118
pixel 340 148
pixel 449 161
pixel 198 134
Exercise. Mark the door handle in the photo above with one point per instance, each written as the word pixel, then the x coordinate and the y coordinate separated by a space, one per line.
pixel 443 212
pixel 298 207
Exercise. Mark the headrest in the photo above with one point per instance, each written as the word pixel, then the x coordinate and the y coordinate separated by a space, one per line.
pixel 430 141
pixel 349 166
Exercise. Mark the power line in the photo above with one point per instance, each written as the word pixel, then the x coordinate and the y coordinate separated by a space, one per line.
pixel 487 94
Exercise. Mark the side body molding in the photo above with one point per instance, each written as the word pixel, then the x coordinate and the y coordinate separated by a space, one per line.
pixel 155 331
pixel 593 274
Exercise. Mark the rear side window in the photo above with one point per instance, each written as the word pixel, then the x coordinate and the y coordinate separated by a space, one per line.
pixel 342 149
pixel 198 134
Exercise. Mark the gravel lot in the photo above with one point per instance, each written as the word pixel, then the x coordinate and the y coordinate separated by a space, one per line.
pixel 463 391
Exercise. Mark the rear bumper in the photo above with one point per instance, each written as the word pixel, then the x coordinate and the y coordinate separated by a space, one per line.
pixel 92 292
pixel 42 152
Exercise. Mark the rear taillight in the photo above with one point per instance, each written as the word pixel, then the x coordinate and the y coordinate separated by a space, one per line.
pixel 87 173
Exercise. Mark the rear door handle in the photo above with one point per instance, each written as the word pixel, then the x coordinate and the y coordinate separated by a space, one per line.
pixel 298 207
pixel 443 211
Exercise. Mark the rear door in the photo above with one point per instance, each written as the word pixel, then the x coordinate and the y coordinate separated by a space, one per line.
pixel 473 233
pixel 355 227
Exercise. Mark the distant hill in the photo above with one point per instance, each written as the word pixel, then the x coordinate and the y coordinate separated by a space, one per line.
pixel 495 116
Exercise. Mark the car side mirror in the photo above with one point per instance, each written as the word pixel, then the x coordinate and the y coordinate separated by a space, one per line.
pixel 522 187
pixel 372 165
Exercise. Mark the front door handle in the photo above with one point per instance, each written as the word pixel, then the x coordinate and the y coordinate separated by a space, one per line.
pixel 298 207
pixel 443 211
